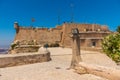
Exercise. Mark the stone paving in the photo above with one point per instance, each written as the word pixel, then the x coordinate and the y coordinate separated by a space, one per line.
pixel 57 68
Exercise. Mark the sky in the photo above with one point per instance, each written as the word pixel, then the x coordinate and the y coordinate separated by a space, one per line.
pixel 46 13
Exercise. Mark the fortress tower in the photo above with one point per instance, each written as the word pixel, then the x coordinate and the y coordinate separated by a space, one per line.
pixel 16 26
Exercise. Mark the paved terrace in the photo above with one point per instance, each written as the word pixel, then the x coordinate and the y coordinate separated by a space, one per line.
pixel 57 69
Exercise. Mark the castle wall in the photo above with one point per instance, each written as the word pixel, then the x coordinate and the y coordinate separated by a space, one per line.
pixel 91 35
pixel 40 35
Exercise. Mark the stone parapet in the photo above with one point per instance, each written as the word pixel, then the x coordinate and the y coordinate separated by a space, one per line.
pixel 24 49
pixel 9 60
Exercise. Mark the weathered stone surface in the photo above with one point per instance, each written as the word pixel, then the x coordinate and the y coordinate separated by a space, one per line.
pixel 81 70
pixel 91 35
pixel 109 73
pixel 76 57
pixel 26 58
pixel 24 49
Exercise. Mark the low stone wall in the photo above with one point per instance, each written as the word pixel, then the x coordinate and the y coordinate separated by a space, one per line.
pixel 106 72
pixel 9 60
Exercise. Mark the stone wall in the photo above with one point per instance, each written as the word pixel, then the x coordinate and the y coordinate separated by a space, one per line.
pixel 24 49
pixel 41 35
pixel 91 35
pixel 9 60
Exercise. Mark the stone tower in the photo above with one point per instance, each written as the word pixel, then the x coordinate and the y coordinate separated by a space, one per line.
pixel 16 26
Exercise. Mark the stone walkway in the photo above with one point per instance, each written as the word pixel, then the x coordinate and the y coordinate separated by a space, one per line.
pixel 57 69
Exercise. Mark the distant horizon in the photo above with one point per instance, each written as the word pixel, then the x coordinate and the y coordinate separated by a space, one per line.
pixel 5 46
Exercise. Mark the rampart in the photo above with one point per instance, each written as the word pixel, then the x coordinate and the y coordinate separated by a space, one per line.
pixel 40 35
pixel 91 35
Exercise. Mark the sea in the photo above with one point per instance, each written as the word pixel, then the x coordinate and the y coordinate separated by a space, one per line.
pixel 4 49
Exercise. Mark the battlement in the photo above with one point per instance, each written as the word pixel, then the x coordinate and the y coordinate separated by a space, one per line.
pixel 33 28
pixel 16 26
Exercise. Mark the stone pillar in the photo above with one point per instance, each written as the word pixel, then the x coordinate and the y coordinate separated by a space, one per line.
pixel 76 58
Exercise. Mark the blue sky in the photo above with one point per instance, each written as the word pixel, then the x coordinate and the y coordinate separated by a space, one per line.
pixel 46 12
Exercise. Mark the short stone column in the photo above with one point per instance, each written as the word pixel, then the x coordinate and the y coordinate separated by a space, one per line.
pixel 76 58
